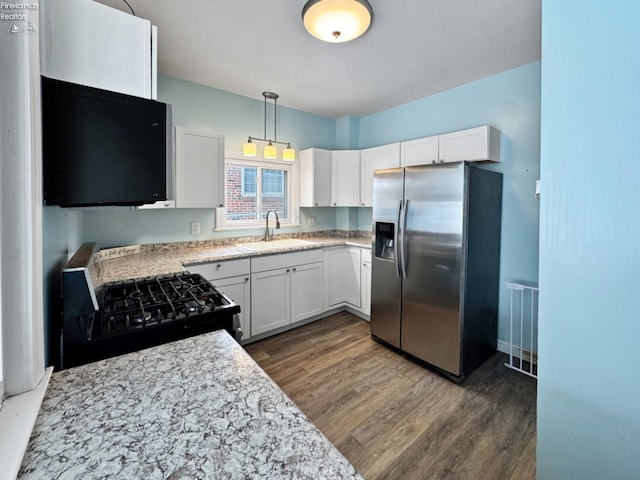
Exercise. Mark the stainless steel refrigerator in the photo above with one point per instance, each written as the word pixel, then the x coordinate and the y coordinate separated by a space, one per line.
pixel 436 263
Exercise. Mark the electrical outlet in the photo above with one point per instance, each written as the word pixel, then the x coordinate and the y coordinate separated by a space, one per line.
pixel 311 221
pixel 195 228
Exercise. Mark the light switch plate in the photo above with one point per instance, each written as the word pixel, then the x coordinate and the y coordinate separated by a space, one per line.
pixel 195 228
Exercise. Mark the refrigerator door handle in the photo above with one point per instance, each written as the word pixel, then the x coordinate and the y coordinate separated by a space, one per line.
pixel 396 237
pixel 403 261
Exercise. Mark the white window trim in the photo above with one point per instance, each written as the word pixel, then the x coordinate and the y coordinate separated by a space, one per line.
pixel 293 169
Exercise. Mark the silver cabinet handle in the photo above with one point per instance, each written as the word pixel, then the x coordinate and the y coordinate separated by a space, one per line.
pixel 294 269
pixel 288 270
pixel 218 265
pixel 246 279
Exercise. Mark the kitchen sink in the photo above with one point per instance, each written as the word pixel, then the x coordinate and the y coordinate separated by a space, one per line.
pixel 275 244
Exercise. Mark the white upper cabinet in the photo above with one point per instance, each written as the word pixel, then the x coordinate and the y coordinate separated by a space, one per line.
pixel 199 169
pixel 345 178
pixel 315 177
pixel 419 152
pixel 472 145
pixel 376 158
pixel 91 44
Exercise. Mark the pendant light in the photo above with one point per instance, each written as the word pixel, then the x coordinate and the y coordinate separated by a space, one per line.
pixel 249 149
pixel 337 21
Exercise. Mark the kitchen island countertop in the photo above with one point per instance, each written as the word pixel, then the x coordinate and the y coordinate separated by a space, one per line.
pixel 197 408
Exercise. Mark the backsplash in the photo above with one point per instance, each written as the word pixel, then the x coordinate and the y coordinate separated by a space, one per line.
pixel 116 252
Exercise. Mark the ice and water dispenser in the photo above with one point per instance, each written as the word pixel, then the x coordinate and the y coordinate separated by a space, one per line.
pixel 385 247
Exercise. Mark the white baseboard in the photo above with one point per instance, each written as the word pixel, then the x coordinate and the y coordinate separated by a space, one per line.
pixel 17 418
pixel 504 347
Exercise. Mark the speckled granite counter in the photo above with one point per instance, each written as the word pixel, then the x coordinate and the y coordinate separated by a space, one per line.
pixel 198 408
pixel 162 259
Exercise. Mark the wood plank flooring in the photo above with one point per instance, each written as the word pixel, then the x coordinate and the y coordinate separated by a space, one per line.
pixel 395 419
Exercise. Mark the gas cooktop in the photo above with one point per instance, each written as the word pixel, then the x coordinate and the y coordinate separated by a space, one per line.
pixel 125 316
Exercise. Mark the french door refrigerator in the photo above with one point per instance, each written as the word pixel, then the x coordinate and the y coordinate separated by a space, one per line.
pixel 436 263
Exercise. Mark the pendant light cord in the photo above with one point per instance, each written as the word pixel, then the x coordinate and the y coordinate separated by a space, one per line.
pixel 132 12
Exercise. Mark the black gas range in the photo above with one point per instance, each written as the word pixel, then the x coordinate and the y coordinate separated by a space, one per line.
pixel 125 316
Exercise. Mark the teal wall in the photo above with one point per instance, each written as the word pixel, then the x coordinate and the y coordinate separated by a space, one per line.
pixel 509 101
pixel 589 377
pixel 347 133
pixel 238 117
pixel 62 235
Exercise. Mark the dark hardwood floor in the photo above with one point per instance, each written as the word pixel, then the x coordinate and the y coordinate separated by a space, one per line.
pixel 395 419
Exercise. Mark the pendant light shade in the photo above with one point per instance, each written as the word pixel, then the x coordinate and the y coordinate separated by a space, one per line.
pixel 270 150
pixel 249 149
pixel 288 153
pixel 337 21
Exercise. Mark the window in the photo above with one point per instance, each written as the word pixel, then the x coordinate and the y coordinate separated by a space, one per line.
pixel 252 188
pixel 249 181
pixel 273 182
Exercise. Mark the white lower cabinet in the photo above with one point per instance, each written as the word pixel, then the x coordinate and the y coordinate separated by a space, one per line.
pixel 274 291
pixel 342 280
pixel 285 289
pixel 365 282
pixel 270 300
pixel 232 278
pixel 306 291
pixel 238 289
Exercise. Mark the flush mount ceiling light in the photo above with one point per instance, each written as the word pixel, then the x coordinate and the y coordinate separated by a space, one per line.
pixel 337 21
pixel 249 149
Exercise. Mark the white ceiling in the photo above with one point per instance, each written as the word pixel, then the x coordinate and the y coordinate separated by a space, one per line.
pixel 413 49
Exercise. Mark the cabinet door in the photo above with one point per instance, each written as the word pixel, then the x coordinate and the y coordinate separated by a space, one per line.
pixel 352 277
pixel 376 158
pixel 365 279
pixel 306 291
pixel 238 289
pixel 345 178
pixel 79 46
pixel 421 151
pixel 474 144
pixel 315 177
pixel 270 300
pixel 199 169
pixel 343 279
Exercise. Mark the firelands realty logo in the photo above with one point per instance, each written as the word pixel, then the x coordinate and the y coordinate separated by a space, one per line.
pixel 16 14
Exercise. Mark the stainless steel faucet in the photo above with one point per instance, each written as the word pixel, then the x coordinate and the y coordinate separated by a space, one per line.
pixel 266 229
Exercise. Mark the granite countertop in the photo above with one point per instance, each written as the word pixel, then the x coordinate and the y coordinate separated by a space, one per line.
pixel 161 259
pixel 198 408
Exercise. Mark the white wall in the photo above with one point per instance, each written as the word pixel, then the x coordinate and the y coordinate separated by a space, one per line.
pixel 21 213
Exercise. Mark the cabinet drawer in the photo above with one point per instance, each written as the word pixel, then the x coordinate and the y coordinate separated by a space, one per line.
pixel 216 270
pixel 283 260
